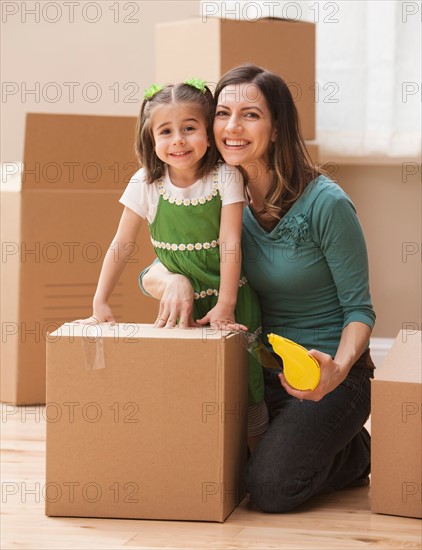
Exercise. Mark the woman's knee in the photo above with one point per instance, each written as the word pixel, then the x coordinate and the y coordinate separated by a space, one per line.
pixel 270 494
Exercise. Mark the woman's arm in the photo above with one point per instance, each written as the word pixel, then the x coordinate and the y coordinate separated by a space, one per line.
pixel 113 266
pixel 230 263
pixel 337 229
pixel 175 293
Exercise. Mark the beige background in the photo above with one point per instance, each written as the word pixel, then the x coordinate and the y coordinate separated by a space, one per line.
pixel 116 57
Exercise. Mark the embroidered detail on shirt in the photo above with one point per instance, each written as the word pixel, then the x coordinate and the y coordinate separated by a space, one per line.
pixel 214 291
pixel 293 230
pixel 189 202
pixel 184 247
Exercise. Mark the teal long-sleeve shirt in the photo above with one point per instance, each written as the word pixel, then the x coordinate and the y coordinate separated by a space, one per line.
pixel 311 270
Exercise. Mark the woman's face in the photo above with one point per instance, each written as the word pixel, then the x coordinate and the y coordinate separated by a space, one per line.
pixel 243 127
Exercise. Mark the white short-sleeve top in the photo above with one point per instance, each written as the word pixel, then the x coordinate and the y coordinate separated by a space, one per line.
pixel 143 197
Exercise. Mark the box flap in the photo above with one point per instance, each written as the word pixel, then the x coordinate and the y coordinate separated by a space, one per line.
pixel 78 151
pixel 137 330
pixel 403 361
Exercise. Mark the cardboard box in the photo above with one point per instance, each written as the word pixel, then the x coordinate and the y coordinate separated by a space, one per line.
pixel 215 45
pixel 396 429
pixel 145 423
pixel 57 224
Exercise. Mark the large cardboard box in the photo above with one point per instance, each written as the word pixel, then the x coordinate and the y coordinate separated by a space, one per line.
pixel 207 48
pixel 57 222
pixel 396 429
pixel 145 423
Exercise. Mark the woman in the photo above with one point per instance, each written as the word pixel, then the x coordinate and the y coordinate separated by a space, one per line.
pixel 305 255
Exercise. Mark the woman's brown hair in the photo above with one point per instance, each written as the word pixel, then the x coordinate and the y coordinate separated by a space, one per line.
pixel 145 145
pixel 289 164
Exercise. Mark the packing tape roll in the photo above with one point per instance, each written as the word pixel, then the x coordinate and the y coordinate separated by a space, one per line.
pixel 252 342
pixel 93 348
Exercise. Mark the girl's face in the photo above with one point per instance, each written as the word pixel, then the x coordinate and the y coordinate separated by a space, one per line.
pixel 243 127
pixel 180 137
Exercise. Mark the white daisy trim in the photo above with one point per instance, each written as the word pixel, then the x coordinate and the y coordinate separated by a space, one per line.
pixel 243 281
pixel 214 291
pixel 189 202
pixel 205 293
pixel 183 247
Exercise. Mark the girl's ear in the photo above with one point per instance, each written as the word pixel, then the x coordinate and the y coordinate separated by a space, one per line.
pixel 274 135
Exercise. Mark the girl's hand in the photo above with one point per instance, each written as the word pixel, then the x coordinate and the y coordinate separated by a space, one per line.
pixel 176 303
pixel 222 318
pixel 101 314
pixel 331 377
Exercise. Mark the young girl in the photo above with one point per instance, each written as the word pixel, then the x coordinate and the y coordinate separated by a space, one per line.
pixel 194 206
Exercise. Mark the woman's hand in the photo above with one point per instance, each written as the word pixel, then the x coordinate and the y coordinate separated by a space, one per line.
pixel 331 376
pixel 176 303
pixel 101 314
pixel 222 318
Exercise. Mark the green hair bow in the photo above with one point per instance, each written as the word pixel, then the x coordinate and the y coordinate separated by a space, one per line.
pixel 152 90
pixel 197 83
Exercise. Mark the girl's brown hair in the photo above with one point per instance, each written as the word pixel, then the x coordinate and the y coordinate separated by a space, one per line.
pixel 145 145
pixel 289 163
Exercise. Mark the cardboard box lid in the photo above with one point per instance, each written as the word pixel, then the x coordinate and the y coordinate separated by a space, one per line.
pixel 78 152
pixel 137 330
pixel 403 361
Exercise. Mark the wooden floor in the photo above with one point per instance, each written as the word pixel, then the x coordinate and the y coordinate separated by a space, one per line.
pixel 340 520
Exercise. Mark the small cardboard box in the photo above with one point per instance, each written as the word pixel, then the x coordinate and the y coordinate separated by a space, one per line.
pixel 396 429
pixel 145 423
pixel 58 220
pixel 209 48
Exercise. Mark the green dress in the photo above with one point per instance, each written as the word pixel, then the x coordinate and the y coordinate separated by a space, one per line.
pixel 185 235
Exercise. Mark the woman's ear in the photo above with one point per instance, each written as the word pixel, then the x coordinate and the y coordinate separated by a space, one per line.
pixel 274 135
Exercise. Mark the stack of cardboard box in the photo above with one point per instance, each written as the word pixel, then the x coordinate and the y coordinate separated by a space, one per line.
pixel 208 48
pixel 56 229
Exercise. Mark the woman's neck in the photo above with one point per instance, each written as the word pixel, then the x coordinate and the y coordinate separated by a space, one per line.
pixel 259 183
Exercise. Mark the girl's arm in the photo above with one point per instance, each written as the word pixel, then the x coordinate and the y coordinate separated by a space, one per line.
pixel 113 266
pixel 230 263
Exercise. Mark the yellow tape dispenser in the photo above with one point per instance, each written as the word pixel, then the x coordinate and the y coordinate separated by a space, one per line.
pixel 301 370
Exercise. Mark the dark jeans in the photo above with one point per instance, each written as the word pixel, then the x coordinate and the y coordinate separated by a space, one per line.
pixel 311 448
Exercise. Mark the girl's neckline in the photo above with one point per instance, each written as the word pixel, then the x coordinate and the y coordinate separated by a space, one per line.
pixel 167 180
